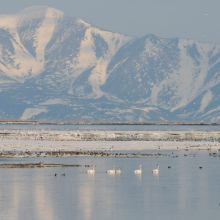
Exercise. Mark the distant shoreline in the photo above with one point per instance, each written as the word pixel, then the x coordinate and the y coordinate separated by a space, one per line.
pixel 21 121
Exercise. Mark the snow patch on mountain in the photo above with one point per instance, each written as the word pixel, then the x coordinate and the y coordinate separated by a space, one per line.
pixel 9 22
pixel 56 101
pixel 99 73
pixel 87 58
pixel 207 98
pixel 30 112
pixel 183 77
pixel 192 72
pixel 44 34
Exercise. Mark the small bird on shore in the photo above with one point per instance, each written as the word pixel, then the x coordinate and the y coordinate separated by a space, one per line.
pixel 169 167
pixel 55 174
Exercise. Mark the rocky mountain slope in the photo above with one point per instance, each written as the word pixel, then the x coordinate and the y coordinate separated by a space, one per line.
pixel 54 66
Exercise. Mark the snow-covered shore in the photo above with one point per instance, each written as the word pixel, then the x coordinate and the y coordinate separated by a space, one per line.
pixel 22 145
pixel 94 135
pixel 53 140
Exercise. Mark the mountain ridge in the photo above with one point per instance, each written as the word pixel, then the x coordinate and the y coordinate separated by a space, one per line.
pixel 54 66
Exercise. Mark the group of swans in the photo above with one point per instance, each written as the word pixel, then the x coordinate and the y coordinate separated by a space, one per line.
pixel 153 171
pixel 113 170
pixel 108 171
pixel 119 170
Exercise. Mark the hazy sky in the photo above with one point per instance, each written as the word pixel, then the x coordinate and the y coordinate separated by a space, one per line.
pixel 163 18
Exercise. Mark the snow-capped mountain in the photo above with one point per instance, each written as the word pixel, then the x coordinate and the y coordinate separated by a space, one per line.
pixel 54 66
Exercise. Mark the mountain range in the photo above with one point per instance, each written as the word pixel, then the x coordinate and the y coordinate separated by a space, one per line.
pixel 54 66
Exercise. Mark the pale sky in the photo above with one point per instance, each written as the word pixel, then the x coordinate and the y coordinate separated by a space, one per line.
pixel 163 18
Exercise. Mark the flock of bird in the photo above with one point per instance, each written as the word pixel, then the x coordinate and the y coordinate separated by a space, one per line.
pixel 119 170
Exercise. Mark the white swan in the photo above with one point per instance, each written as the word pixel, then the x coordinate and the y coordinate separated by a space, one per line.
pixel 91 171
pixel 111 171
pixel 119 170
pixel 138 171
pixel 156 170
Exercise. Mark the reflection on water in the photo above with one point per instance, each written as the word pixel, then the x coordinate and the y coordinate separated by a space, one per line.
pixel 156 177
pixel 182 192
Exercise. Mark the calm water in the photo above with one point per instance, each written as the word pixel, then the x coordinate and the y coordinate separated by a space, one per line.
pixel 182 192
pixel 114 127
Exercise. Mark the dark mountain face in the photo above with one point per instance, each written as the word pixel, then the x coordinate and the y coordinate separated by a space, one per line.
pixel 54 66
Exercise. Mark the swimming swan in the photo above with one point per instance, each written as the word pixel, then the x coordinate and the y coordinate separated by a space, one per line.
pixel 156 170
pixel 91 171
pixel 111 171
pixel 119 170
pixel 138 171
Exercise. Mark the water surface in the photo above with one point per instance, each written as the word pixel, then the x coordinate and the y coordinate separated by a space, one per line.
pixel 113 127
pixel 182 192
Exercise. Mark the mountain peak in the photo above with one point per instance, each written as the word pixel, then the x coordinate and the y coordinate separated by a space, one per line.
pixel 34 9
pixel 37 12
